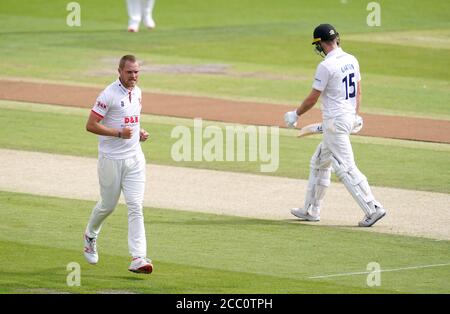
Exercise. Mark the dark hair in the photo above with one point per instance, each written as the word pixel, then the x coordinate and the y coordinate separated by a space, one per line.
pixel 126 58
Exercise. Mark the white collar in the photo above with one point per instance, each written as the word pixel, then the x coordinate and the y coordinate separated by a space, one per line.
pixel 333 52
pixel 123 88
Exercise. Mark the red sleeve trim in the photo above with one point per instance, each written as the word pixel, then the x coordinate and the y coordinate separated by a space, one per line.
pixel 97 114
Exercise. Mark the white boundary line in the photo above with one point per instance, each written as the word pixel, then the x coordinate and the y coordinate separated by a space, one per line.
pixel 378 271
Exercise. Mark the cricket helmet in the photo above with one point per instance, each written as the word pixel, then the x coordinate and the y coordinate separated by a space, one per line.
pixel 324 32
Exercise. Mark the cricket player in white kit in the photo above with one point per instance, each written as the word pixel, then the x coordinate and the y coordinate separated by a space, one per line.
pixel 115 117
pixel 338 82
pixel 140 10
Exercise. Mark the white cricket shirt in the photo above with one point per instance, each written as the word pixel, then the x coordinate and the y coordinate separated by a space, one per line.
pixel 118 107
pixel 337 77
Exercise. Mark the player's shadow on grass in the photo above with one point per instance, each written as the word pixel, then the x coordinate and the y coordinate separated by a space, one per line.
pixel 133 277
pixel 318 224
pixel 220 222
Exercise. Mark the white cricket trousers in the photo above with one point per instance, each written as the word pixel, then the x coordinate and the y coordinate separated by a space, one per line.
pixel 138 9
pixel 127 175
pixel 336 140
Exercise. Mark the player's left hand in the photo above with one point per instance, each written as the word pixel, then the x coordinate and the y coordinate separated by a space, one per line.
pixel 143 135
pixel 358 125
pixel 291 118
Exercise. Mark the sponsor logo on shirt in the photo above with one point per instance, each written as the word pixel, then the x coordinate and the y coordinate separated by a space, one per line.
pixel 101 105
pixel 131 120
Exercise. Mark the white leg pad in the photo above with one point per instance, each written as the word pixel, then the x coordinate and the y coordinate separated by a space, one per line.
pixel 356 183
pixel 318 182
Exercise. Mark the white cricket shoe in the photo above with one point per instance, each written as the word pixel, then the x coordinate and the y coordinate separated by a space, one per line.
pixel 368 221
pixel 302 214
pixel 141 265
pixel 90 250
pixel 133 28
pixel 149 22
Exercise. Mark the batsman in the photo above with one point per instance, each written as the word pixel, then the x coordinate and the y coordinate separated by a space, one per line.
pixel 337 82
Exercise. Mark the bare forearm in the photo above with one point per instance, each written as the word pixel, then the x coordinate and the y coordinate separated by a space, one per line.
pixel 358 103
pixel 100 129
pixel 358 98
pixel 309 102
pixel 305 106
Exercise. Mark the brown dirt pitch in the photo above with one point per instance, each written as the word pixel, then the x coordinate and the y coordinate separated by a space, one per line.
pixel 420 129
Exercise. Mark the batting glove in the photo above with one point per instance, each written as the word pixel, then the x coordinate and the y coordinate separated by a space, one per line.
pixel 358 125
pixel 291 118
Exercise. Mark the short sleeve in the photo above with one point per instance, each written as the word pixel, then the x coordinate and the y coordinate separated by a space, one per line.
pixel 101 105
pixel 321 78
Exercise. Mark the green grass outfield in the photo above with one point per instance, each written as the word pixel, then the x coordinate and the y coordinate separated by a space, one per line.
pixel 200 253
pixel 261 48
pixel 391 163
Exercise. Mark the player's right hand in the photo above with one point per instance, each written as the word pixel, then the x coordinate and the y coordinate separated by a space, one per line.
pixel 290 118
pixel 127 132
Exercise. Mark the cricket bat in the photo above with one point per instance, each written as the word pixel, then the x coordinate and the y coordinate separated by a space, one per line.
pixel 314 128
